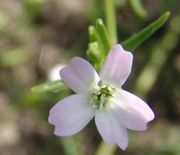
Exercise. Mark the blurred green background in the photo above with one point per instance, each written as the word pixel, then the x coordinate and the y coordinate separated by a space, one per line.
pixel 36 35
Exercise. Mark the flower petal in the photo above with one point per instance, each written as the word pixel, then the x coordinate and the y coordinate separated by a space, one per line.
pixel 117 66
pixel 79 75
pixel 133 112
pixel 111 130
pixel 71 115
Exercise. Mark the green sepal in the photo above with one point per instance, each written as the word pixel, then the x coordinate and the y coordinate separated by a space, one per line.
pixel 103 35
pixel 99 44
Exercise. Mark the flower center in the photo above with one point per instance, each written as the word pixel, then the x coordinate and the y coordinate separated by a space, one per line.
pixel 101 95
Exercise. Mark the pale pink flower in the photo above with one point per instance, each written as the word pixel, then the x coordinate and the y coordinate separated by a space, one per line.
pixel 100 96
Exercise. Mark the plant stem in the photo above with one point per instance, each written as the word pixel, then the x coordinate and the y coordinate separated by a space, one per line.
pixel 111 20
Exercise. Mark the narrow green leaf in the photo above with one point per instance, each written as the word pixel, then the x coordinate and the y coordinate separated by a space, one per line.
pixel 54 86
pixel 103 35
pixel 137 39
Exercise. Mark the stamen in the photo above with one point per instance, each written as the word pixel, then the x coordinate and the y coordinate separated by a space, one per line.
pixel 101 95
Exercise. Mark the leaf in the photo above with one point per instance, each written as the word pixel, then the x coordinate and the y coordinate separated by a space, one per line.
pixel 54 86
pixel 137 39
pixel 158 58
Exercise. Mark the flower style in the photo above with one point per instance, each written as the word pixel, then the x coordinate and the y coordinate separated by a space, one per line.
pixel 100 96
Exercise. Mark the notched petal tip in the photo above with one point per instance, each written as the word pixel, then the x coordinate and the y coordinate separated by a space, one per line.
pixel 117 47
pixel 117 66
pixel 50 119
pixel 133 112
pixel 123 147
pixel 63 133
pixel 151 116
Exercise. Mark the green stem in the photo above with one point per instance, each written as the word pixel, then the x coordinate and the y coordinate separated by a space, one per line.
pixel 111 20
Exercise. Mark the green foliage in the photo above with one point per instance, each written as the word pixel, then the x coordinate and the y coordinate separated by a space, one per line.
pixel 100 44
pixel 103 35
pixel 131 44
pixel 158 57
pixel 24 26
pixel 136 40
pixel 54 86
